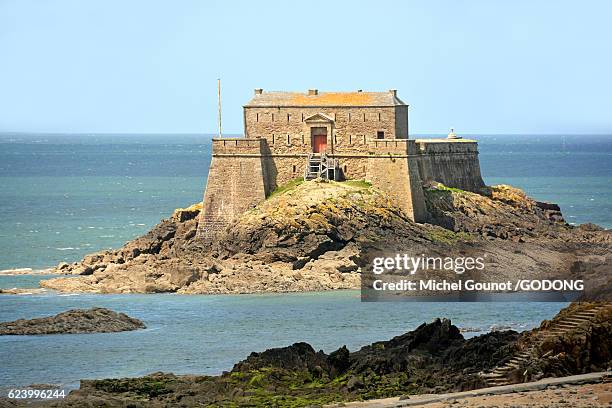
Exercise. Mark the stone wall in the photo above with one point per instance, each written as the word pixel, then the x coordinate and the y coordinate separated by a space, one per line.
pixel 244 172
pixel 399 177
pixel 349 123
pixel 453 163
pixel 401 122
pixel 236 183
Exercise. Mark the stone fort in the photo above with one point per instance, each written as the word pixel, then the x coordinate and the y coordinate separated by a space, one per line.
pixel 334 135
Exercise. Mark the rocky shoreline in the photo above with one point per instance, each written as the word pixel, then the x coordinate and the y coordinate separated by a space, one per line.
pixel 95 320
pixel 434 358
pixel 321 236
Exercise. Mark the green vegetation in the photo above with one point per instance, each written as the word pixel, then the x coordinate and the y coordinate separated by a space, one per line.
pixel 358 183
pixel 147 386
pixel 290 185
pixel 441 187
pixel 448 237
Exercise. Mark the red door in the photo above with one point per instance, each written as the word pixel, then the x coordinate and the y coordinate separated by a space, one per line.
pixel 319 143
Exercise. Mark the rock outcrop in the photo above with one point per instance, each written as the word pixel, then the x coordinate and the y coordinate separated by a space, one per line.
pixel 95 320
pixel 320 236
pixel 433 358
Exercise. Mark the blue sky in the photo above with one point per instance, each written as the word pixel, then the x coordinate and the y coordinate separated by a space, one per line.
pixel 151 66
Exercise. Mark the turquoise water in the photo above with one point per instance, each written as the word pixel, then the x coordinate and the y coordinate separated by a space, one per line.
pixel 63 196
pixel 208 334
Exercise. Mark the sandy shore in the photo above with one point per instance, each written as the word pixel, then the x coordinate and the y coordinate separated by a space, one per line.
pixel 578 396
pixel 583 390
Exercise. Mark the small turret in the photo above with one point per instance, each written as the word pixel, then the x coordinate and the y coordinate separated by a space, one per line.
pixel 453 135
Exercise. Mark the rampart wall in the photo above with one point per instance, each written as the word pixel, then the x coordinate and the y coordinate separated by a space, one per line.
pixel 451 162
pixel 234 184
pixel 244 172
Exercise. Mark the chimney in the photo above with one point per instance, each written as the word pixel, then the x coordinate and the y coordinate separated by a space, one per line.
pixel 312 92
pixel 258 91
pixel 393 92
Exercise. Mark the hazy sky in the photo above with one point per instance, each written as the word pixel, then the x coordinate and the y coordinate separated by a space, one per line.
pixel 151 66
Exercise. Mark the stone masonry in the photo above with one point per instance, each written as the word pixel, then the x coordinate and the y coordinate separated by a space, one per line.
pixel 366 132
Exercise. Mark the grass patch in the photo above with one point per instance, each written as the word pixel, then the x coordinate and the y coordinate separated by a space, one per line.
pixel 442 187
pixel 448 237
pixel 358 183
pixel 290 185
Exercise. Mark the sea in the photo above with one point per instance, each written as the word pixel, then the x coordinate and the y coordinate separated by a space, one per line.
pixel 64 196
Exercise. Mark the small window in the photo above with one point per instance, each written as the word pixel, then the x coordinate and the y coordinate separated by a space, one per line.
pixel 379 117
pixel 272 117
pixel 257 117
pixel 380 135
pixel 294 168
pixel 364 118
pixel 287 118
pixel 345 168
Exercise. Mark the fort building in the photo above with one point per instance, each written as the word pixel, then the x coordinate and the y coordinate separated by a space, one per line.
pixel 336 135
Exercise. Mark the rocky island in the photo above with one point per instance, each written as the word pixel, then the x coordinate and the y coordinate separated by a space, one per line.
pixel 95 320
pixel 306 203
pixel 311 236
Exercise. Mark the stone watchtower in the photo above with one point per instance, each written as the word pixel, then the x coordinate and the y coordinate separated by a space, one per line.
pixel 364 135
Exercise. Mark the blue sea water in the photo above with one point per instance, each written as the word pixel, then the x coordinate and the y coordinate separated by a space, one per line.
pixel 208 334
pixel 63 196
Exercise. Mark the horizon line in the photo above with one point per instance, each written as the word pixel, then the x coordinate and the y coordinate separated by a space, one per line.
pixel 242 135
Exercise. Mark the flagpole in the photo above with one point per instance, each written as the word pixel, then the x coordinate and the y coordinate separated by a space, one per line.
pixel 219 105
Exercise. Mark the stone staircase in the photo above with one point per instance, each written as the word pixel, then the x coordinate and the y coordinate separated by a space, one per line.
pixel 499 375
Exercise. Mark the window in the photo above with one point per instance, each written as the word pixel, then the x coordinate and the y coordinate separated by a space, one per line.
pixel 294 168
pixel 379 117
pixel 380 135
pixel 257 117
